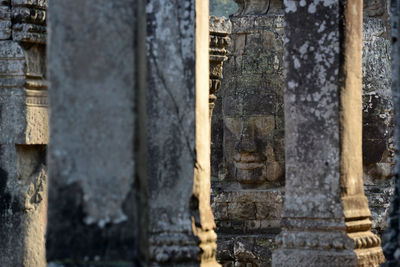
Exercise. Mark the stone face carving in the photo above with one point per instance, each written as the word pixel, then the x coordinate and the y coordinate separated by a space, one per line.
pixel 326 220
pixel 248 145
pixel 23 135
pixel 250 138
pixel 252 102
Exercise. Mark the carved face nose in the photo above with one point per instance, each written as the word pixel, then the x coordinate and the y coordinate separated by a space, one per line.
pixel 246 143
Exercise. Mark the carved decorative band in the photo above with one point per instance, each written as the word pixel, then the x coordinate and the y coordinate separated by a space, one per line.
pixel 30 33
pixel 314 240
pixel 365 240
pixel 36 98
pixel 29 15
pixel 172 247
pixel 36 84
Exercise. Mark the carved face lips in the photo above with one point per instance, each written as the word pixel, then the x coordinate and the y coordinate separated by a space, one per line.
pixel 248 161
pixel 250 168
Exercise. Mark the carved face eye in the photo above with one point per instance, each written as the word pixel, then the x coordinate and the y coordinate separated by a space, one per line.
pixel 234 125
pixel 264 124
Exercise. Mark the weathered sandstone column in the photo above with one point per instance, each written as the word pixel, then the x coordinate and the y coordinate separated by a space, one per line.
pixel 326 220
pixel 23 133
pixel 248 186
pixel 181 225
pixel 391 242
pixel 96 69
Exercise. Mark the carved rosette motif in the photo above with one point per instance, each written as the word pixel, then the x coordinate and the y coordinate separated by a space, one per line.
pixel 220 28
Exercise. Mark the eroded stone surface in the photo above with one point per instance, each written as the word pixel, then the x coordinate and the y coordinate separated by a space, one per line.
pixel 23 137
pixel 326 215
pixel 181 225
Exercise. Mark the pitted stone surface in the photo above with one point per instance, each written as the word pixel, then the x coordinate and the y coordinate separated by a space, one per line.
pixel 181 225
pixel 93 202
pixel 325 212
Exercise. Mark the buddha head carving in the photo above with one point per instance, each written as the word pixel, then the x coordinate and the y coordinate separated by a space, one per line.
pixel 253 136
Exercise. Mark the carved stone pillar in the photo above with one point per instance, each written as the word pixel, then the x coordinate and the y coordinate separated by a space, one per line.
pixel 248 186
pixel 220 28
pixel 23 133
pixel 391 244
pixel 181 224
pixel 326 219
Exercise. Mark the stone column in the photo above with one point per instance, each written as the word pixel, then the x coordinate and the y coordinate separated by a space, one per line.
pixel 391 244
pixel 23 133
pixel 181 225
pixel 220 28
pixel 248 186
pixel 96 68
pixel 326 219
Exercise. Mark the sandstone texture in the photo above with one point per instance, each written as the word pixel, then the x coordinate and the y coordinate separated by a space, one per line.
pixel 23 133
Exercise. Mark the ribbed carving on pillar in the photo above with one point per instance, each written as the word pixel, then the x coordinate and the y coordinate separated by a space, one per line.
pixel 220 28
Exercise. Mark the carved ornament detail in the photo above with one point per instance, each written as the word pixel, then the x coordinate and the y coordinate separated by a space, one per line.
pixel 220 28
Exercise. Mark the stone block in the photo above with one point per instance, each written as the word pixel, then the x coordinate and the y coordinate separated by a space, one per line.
pixel 242 210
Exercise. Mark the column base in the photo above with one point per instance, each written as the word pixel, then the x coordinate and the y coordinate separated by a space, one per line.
pixel 370 257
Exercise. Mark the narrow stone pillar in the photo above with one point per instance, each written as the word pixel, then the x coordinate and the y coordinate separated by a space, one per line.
pixel 181 225
pixel 23 133
pixel 326 220
pixel 96 69
pixel 220 28
pixel 391 241
pixel 248 187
